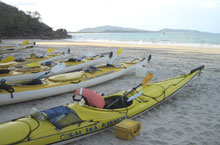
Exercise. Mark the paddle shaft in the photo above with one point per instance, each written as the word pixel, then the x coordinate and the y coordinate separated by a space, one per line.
pixel 42 75
pixel 124 96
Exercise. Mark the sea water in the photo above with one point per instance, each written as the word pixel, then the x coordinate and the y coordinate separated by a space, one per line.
pixel 168 38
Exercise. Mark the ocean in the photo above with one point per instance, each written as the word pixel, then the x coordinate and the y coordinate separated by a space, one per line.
pixel 168 38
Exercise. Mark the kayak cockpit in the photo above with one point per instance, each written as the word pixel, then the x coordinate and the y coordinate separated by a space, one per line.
pixel 34 82
pixel 96 100
pixel 116 102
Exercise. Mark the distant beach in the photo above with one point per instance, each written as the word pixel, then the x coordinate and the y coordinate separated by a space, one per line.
pixel 191 117
pixel 173 48
pixel 175 37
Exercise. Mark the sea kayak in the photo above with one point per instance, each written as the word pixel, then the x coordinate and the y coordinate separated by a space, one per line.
pixel 63 83
pixel 19 62
pixel 30 72
pixel 16 48
pixel 64 124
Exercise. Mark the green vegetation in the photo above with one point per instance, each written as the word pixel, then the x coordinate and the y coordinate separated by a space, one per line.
pixel 17 24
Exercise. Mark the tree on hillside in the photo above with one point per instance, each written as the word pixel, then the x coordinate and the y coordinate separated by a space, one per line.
pixel 15 23
pixel 34 15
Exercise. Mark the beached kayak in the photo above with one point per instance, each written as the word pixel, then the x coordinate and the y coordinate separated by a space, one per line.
pixel 19 62
pixel 16 48
pixel 64 124
pixel 30 72
pixel 63 83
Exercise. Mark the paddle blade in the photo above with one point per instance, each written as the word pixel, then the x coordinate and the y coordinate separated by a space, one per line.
pixel 58 67
pixel 120 50
pixel 147 79
pixel 149 58
pixel 8 59
pixel 50 50
pixel 55 69
pixel 26 42
pixel 33 64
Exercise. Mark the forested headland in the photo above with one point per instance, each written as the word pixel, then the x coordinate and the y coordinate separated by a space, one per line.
pixel 17 24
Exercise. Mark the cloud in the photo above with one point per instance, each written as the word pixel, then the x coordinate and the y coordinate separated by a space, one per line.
pixel 146 14
pixel 20 3
pixel 210 4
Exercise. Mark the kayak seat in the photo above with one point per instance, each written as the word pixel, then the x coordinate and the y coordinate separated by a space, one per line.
pixel 34 82
pixel 4 71
pixel 91 69
pixel 91 98
pixel 20 59
pixel 14 132
pixel 48 63
pixel 66 77
pixel 74 60
pixel 116 102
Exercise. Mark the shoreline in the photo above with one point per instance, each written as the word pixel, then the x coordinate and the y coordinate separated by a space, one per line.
pixel 127 45
pixel 164 47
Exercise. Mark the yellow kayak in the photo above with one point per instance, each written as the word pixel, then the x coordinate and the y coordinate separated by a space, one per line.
pixel 29 72
pixel 64 124
pixel 15 48
pixel 18 63
pixel 63 83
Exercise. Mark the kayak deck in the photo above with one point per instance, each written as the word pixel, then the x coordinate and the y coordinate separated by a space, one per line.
pixel 88 120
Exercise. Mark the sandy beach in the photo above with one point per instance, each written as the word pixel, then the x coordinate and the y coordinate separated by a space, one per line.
pixel 191 117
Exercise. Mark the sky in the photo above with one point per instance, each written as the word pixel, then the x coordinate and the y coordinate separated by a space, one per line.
pixel 73 15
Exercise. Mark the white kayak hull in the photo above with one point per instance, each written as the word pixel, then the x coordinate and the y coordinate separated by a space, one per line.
pixel 46 92
pixel 16 48
pixel 25 77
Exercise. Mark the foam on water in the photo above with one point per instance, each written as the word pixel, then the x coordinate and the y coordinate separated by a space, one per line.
pixel 172 39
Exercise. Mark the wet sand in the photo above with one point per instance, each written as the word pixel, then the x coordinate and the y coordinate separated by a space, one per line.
pixel 191 117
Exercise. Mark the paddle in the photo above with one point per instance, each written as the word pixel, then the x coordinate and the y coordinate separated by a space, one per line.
pixel 26 42
pixel 88 55
pixel 8 59
pixel 149 58
pixel 54 69
pixel 119 52
pixel 50 50
pixel 146 80
pixel 135 96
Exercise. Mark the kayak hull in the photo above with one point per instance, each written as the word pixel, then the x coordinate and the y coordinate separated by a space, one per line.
pixel 43 91
pixel 13 49
pixel 29 76
pixel 94 120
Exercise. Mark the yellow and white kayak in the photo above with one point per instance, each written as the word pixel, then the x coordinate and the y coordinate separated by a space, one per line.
pixel 15 48
pixel 64 124
pixel 33 58
pixel 30 72
pixel 63 83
